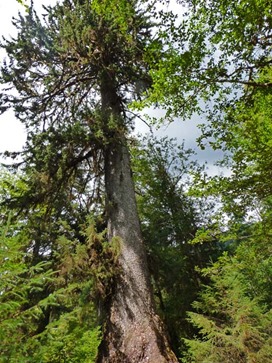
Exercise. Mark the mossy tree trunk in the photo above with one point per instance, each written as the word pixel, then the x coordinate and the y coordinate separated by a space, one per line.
pixel 133 331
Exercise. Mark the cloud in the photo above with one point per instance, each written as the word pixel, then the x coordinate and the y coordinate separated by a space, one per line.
pixel 187 132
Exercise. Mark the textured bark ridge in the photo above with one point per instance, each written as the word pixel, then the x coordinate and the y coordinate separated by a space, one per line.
pixel 134 333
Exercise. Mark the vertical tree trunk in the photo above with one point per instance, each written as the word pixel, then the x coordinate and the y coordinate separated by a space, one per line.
pixel 133 332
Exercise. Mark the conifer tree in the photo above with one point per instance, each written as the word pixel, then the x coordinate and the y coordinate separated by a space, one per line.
pixel 74 71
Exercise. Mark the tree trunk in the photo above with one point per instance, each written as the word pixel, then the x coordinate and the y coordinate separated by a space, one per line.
pixel 133 331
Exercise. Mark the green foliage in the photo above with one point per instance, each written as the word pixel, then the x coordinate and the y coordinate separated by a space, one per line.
pixel 69 340
pixel 104 261
pixel 247 135
pixel 213 51
pixel 49 286
pixel 54 328
pixel 22 2
pixel 233 312
pixel 233 319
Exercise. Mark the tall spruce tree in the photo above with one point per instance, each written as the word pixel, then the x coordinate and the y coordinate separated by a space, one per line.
pixel 74 72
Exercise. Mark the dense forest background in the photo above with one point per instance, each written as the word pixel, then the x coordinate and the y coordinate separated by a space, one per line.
pixel 207 238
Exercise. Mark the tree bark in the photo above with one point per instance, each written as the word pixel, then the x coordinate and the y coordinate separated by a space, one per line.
pixel 133 331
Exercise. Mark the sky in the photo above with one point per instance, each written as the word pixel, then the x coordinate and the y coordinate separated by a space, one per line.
pixel 12 135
